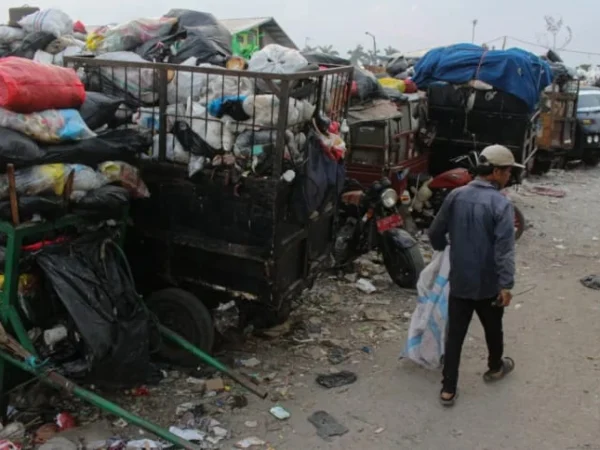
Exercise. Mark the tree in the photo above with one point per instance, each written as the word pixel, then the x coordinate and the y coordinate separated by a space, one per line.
pixel 389 50
pixel 358 55
pixel 554 30
pixel 585 67
pixel 328 50
pixel 309 49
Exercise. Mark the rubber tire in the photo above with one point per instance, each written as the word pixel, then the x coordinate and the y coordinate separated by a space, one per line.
pixel 190 312
pixel 520 219
pixel 591 159
pixel 541 166
pixel 415 260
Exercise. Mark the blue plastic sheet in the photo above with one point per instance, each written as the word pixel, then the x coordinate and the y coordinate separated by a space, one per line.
pixel 515 71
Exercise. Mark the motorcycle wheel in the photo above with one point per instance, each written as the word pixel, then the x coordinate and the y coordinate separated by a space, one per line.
pixel 519 223
pixel 404 265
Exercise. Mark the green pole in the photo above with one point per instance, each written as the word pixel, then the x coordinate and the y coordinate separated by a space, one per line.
pixel 55 379
pixel 212 361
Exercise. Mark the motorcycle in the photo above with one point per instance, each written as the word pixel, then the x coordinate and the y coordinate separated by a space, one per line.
pixel 429 195
pixel 370 220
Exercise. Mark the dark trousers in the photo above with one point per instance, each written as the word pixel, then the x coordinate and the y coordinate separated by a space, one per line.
pixel 460 313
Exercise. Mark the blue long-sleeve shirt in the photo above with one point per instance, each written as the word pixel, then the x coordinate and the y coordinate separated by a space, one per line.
pixel 480 223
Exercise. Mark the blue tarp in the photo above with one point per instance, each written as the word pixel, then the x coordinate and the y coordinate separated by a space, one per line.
pixel 515 71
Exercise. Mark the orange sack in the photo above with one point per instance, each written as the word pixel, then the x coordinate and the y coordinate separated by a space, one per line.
pixel 27 86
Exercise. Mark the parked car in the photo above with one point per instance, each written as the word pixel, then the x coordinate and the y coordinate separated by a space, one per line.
pixel 587 140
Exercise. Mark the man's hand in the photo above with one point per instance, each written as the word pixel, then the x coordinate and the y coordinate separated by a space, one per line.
pixel 504 297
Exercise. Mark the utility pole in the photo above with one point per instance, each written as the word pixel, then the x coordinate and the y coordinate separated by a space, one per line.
pixel 473 32
pixel 504 43
pixel 374 47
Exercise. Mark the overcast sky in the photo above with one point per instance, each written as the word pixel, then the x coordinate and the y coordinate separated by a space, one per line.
pixel 406 25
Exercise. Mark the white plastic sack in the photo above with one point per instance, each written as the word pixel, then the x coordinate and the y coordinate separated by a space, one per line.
pixel 277 59
pixel 428 326
pixel 186 84
pixel 52 21
pixel 209 128
pixel 265 110
pixel 85 178
pixel 8 35
pixel 58 59
pixel 175 151
pixel 140 83
pixel 222 86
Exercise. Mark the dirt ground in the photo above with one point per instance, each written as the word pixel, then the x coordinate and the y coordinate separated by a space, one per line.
pixel 552 330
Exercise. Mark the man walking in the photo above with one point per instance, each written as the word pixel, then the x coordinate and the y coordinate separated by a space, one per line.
pixel 479 222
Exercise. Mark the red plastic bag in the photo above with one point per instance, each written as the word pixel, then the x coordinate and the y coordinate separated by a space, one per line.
pixel 79 27
pixel 27 86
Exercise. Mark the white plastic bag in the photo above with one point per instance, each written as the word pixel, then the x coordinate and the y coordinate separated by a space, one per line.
pixel 207 127
pixel 52 21
pixel 85 178
pixel 175 151
pixel 140 83
pixel 265 110
pixel 8 35
pixel 57 59
pixel 277 59
pixel 429 323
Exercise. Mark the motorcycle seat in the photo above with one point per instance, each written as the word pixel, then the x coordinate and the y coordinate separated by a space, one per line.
pixel 352 197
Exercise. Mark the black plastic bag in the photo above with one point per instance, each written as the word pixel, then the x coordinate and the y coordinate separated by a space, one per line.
pixel 320 181
pixel 107 198
pixel 33 42
pixel 190 140
pixel 99 109
pixel 396 65
pixel 206 25
pixel 18 149
pixel 205 38
pixel 121 145
pixel 368 86
pixel 89 278
pixel 159 49
pixel 322 58
pixel 48 207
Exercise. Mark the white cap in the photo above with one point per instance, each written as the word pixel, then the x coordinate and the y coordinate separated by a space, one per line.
pixel 498 156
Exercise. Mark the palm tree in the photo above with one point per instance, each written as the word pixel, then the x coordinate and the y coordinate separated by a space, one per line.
pixel 309 49
pixel 328 50
pixel 358 55
pixel 389 50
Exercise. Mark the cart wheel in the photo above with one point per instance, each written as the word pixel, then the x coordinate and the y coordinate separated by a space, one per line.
pixel 591 159
pixel 183 313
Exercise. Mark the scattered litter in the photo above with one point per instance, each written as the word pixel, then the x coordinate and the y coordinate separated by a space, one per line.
pixel 56 443
pixel 595 238
pixel 377 315
pixel 121 423
pixel 216 384
pixel 591 281
pixel 379 430
pixel 65 421
pixel 377 301
pixel 366 349
pixel 337 356
pixel 188 434
pixel 237 401
pixel 546 191
pixel 279 413
pixel 249 442
pixel 250 363
pixel 44 433
pixel 145 444
pixel 518 305
pixel 219 432
pixel 560 247
pixel 192 380
pixel 326 425
pixel 251 424
pixel 365 286
pixel 337 379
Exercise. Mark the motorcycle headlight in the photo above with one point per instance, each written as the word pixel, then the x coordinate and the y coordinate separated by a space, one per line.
pixel 596 139
pixel 589 139
pixel 389 198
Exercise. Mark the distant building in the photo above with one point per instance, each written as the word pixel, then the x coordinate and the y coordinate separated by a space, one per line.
pixel 252 34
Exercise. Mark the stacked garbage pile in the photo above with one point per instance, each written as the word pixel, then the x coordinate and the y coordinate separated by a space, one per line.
pixel 221 121
pixel 48 136
pixel 45 36
pixel 561 73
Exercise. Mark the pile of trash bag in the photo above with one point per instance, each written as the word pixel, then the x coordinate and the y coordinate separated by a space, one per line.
pixel 48 136
pixel 45 36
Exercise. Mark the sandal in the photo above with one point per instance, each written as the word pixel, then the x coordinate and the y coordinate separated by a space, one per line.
pixel 508 365
pixel 448 402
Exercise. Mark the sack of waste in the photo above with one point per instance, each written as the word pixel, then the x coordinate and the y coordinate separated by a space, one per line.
pixel 428 326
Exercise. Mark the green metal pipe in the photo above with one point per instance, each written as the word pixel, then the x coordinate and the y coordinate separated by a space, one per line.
pixel 178 339
pixel 55 379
